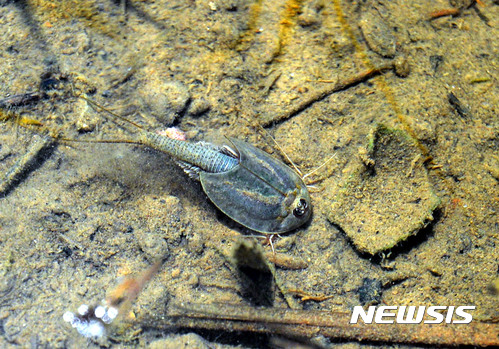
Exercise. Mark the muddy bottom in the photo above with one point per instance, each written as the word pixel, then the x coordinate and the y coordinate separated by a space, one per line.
pixel 401 97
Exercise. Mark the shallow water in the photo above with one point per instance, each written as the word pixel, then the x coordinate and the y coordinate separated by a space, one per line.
pixel 87 213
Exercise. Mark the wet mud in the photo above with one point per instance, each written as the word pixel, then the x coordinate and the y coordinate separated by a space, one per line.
pixel 403 94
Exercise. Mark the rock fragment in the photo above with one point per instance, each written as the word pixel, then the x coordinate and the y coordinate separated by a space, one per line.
pixel 381 205
pixel 164 100
pixel 378 34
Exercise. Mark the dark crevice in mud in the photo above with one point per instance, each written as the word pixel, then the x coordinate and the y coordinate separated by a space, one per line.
pixel 2 329
pixel 182 113
pixel 243 339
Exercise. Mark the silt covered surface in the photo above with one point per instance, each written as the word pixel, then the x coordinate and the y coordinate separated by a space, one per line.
pixel 84 214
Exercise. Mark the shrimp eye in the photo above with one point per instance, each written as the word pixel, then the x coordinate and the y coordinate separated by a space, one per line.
pixel 301 208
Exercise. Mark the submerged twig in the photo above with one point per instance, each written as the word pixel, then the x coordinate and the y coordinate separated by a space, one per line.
pixel 26 163
pixel 321 94
pixel 22 99
pixel 444 12
pixel 313 323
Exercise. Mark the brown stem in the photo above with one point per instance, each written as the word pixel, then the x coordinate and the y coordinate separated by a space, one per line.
pixel 320 95
pixel 312 323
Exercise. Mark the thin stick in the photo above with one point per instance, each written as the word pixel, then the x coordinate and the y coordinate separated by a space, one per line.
pixel 26 163
pixel 320 95
pixel 313 323
pixel 21 99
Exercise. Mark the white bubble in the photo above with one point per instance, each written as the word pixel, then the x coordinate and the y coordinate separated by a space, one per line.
pixel 99 312
pixel 83 309
pixel 68 317
pixel 112 312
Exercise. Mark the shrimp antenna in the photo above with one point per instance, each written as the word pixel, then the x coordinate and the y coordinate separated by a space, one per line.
pixel 291 161
pixel 321 166
pixel 94 104
pixel 127 141
pixel 281 150
pixel 267 133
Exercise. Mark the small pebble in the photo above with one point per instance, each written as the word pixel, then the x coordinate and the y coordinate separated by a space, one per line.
pixel 164 100
pixel 378 34
pixel 402 67
pixel 199 106
pixel 83 127
pixel 309 18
